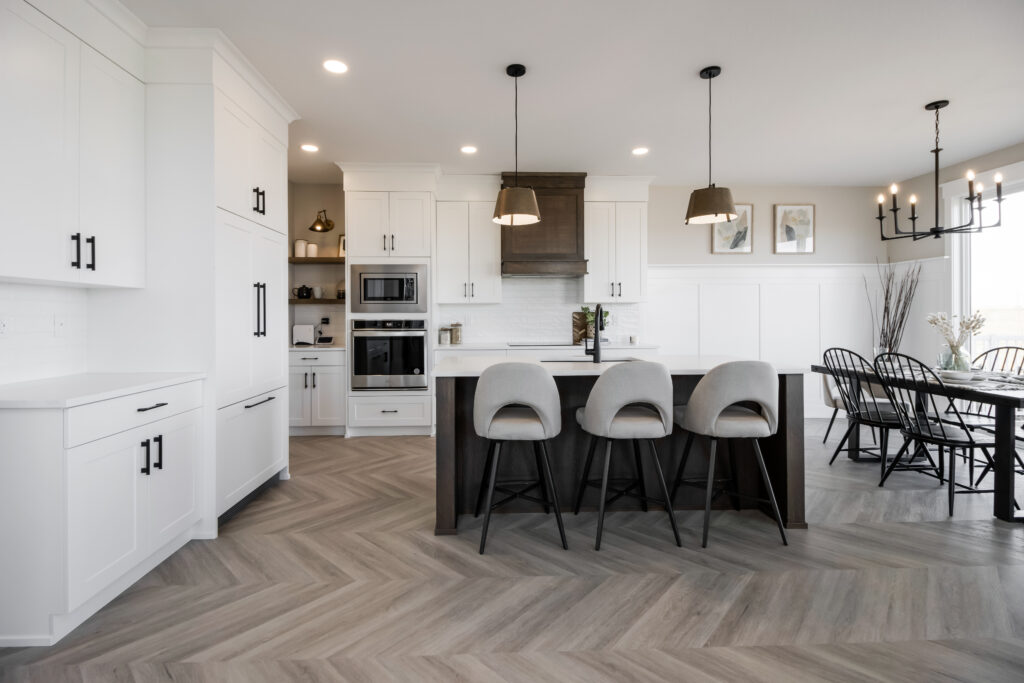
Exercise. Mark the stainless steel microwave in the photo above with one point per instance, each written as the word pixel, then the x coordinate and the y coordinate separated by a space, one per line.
pixel 389 288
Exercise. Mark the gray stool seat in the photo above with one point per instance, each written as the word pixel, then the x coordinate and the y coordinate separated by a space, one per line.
pixel 714 411
pixel 734 422
pixel 516 423
pixel 517 402
pixel 631 422
pixel 630 401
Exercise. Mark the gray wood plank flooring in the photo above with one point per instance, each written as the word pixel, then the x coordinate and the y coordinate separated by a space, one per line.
pixel 337 576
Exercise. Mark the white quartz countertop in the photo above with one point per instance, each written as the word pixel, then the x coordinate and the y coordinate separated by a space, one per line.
pixel 323 347
pixel 69 391
pixel 472 366
pixel 503 346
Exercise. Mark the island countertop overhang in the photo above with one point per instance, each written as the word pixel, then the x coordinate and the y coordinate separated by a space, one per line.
pixel 473 366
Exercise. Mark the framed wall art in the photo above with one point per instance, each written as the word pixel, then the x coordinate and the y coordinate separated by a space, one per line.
pixel 794 228
pixel 736 236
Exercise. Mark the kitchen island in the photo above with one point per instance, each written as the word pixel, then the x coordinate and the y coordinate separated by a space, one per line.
pixel 461 453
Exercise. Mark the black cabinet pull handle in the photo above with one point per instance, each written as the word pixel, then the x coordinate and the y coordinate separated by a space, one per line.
pixel 261 202
pixel 613 288
pixel 312 358
pixel 259 403
pixel 314 380
pixel 256 286
pixel 472 289
pixel 263 288
pixel 389 411
pixel 159 441
pixel 392 242
pixel 92 263
pixel 155 405
pixel 256 191
pixel 145 469
pixel 305 380
pixel 77 239
pixel 385 242
pixel 620 289
pixel 463 290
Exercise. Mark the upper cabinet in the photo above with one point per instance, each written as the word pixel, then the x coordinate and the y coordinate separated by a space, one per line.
pixel 468 262
pixel 252 167
pixel 387 224
pixel 616 248
pixel 72 127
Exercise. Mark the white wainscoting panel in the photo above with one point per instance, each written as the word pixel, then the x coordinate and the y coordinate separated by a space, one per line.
pixel 786 314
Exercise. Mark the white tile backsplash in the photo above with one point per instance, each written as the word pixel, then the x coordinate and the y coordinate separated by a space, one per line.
pixel 535 310
pixel 42 332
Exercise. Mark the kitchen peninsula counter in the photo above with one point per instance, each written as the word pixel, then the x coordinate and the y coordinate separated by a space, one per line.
pixel 460 453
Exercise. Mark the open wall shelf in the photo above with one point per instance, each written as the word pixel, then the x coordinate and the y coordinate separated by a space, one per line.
pixel 316 259
pixel 324 302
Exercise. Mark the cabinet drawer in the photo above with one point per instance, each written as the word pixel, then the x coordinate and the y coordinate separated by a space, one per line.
pixel 252 445
pixel 390 411
pixel 316 357
pixel 103 418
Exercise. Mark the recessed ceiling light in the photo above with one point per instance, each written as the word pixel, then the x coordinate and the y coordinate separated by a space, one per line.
pixel 335 67
pixel 640 151
pixel 309 148
pixel 468 149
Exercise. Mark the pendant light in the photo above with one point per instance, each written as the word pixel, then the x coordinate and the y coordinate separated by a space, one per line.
pixel 710 204
pixel 322 222
pixel 516 205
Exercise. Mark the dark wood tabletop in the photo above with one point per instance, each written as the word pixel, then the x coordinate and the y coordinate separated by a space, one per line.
pixel 996 397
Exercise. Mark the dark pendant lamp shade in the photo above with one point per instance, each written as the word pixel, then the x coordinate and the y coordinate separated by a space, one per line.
pixel 516 205
pixel 710 204
pixel 322 222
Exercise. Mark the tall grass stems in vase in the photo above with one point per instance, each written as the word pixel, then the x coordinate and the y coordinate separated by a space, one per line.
pixel 890 307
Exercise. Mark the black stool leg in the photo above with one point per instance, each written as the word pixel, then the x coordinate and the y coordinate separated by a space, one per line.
pixel 730 452
pixel 582 488
pixel 640 474
pixel 771 492
pixel 664 492
pixel 710 492
pixel 553 492
pixel 831 422
pixel 682 466
pixel 540 478
pixel 604 493
pixel 490 495
pixel 483 479
pixel 952 478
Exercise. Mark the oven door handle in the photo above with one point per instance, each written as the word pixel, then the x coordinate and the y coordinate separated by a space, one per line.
pixel 389 333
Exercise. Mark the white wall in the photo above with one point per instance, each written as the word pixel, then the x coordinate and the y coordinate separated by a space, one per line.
pixel 535 310
pixel 42 332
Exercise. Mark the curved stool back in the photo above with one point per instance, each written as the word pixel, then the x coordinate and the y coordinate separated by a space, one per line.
pixel 636 382
pixel 517 384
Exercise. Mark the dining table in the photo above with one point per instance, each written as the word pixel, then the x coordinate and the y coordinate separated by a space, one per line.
pixel 1005 394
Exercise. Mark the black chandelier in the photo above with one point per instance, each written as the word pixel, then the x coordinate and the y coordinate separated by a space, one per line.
pixel 973 200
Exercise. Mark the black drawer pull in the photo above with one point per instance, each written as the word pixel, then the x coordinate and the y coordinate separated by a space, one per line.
pixel 389 411
pixel 312 358
pixel 77 239
pixel 256 191
pixel 145 444
pixel 155 405
pixel 259 403
pixel 159 441
pixel 305 380
pixel 92 263
pixel 314 380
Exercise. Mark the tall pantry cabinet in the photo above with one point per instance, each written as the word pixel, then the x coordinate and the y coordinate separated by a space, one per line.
pixel 216 299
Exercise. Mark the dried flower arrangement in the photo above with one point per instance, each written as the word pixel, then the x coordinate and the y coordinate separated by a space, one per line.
pixel 897 295
pixel 956 339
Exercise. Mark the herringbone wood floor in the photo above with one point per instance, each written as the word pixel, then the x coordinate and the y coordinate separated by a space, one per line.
pixel 336 576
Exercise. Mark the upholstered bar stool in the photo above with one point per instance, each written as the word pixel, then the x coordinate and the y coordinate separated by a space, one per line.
pixel 631 402
pixel 713 411
pixel 517 402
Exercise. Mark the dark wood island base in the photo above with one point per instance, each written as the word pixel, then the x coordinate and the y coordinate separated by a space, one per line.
pixel 461 453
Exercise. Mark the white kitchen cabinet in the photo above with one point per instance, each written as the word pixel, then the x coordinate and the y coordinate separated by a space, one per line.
pixel 616 251
pixel 388 224
pixel 317 388
pixel 251 175
pixel 72 179
pixel 468 253
pixel 390 411
pixel 102 473
pixel 251 309
pixel 252 445
pixel 112 163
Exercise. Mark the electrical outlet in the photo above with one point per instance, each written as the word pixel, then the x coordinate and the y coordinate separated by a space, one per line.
pixel 325 321
pixel 60 324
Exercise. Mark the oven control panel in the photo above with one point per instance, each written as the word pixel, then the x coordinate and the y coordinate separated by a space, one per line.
pixel 389 324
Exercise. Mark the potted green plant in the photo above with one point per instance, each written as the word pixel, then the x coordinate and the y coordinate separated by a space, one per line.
pixel 590 316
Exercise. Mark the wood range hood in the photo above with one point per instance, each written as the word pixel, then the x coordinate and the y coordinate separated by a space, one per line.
pixel 554 246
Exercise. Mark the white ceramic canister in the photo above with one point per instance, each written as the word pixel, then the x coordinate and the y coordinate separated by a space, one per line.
pixel 312 250
pixel 300 248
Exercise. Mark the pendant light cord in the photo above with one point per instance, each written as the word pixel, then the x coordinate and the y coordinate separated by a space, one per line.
pixel 709 131
pixel 516 114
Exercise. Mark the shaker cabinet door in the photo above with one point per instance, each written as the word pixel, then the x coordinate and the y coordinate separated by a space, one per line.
pixel 484 255
pixel 409 223
pixel 39 77
pixel 173 487
pixel 599 245
pixel 452 263
pixel 366 224
pixel 328 395
pixel 630 251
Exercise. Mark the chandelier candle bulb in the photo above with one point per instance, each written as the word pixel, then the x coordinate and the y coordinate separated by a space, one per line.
pixel 970 184
pixel 913 206
pixel 999 187
pixel 881 203
pixel 893 188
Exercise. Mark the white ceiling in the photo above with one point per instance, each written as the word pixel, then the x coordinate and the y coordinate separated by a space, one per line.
pixel 812 92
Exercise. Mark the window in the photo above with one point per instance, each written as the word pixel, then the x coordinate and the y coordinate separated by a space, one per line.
pixel 991 265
